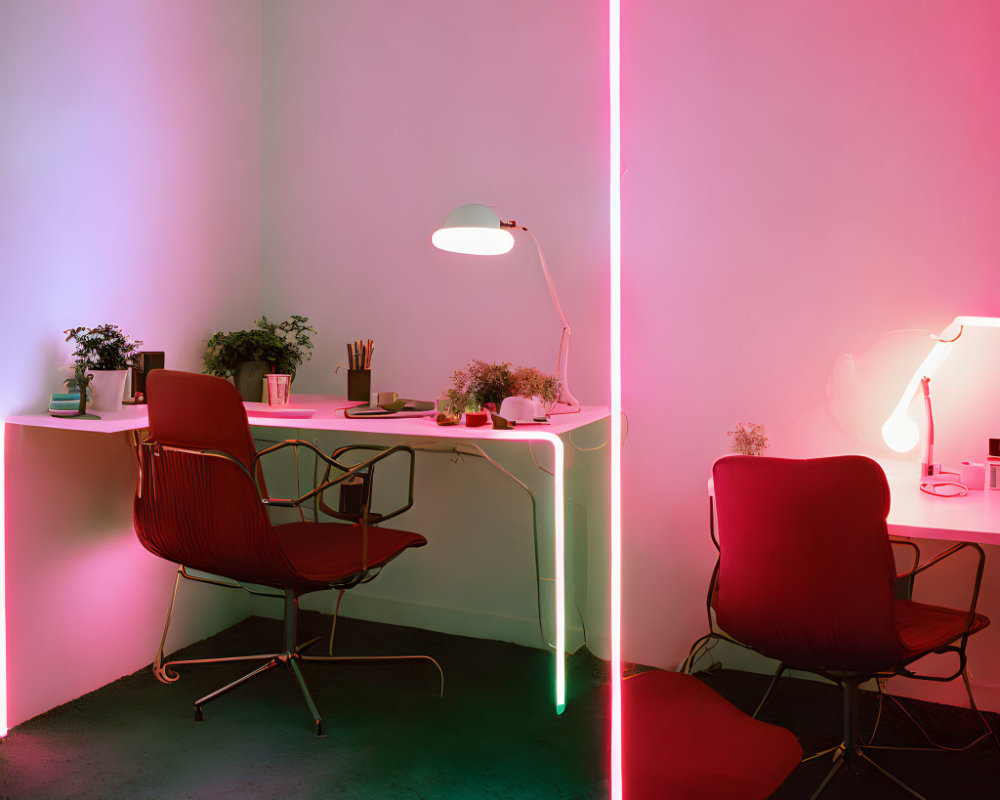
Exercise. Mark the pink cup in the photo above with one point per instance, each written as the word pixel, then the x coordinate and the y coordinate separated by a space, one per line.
pixel 278 389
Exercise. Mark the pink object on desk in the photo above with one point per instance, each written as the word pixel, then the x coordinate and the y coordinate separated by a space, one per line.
pixel 278 389
pixel 476 419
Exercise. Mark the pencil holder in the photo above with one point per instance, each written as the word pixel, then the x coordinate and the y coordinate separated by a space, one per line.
pixel 359 384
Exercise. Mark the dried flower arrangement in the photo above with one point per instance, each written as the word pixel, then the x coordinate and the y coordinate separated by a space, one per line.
pixel 480 383
pixel 749 439
pixel 532 382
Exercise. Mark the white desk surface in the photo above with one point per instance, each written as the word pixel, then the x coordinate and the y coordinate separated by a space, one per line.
pixel 917 515
pixel 328 417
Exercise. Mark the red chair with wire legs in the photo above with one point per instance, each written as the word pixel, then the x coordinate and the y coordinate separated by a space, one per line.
pixel 201 502
pixel 806 576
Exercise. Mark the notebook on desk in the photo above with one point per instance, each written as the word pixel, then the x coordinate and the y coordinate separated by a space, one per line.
pixel 410 408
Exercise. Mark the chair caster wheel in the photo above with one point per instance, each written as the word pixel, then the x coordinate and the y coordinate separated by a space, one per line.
pixel 198 715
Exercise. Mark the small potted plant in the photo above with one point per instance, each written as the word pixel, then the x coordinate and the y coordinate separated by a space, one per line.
pixel 749 439
pixel 104 353
pixel 246 356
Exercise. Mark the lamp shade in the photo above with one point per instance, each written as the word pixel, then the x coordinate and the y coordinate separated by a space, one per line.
pixel 473 229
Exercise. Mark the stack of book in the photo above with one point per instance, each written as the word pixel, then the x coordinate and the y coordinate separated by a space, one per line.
pixel 64 404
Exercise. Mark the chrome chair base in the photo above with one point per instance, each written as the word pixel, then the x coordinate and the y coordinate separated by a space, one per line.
pixel 291 661
pixel 854 757
pixel 290 656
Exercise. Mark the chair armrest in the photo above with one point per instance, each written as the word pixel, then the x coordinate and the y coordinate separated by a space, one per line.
pixel 904 580
pixel 916 554
pixel 369 481
pixel 347 471
pixel 979 571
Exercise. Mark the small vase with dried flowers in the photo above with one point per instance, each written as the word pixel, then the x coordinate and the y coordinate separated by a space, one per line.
pixel 749 439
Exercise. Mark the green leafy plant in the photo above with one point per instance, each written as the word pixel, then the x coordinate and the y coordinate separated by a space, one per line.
pixel 284 345
pixel 749 439
pixel 105 347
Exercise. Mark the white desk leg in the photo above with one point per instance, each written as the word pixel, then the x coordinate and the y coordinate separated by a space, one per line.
pixel 559 527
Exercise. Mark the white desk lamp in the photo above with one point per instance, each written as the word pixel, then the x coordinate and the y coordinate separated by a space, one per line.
pixel 899 431
pixel 475 229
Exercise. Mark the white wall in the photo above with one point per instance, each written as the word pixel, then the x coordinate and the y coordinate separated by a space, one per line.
pixel 379 119
pixel 129 193
pixel 803 180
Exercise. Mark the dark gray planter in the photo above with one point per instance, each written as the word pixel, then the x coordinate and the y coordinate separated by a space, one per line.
pixel 248 377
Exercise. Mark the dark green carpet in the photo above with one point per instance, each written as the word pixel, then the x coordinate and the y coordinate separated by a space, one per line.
pixel 812 711
pixel 389 736
pixel 495 734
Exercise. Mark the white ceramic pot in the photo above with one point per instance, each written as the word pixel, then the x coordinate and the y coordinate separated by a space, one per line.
pixel 108 387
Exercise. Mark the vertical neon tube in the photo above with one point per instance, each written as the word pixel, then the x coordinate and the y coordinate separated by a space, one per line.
pixel 615 258
pixel 3 583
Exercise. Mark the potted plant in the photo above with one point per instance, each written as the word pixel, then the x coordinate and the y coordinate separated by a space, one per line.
pixel 105 353
pixel 492 383
pixel 246 356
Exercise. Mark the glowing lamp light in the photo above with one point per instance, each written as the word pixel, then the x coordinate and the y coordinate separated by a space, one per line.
pixel 899 431
pixel 473 230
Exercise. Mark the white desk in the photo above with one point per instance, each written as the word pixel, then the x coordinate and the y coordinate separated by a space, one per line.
pixel 327 418
pixel 916 515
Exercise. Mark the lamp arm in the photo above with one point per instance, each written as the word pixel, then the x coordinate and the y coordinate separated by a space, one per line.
pixel 927 468
pixel 548 280
pixel 562 364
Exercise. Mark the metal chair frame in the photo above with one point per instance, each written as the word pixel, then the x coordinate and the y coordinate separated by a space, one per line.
pixel 291 652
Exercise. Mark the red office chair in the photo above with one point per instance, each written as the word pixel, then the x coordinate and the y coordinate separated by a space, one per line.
pixel 806 575
pixel 201 503
pixel 682 740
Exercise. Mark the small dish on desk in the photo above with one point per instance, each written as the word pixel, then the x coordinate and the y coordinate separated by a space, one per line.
pixel 284 412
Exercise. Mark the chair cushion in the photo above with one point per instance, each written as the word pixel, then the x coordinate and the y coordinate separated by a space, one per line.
pixel 683 740
pixel 327 552
pixel 923 628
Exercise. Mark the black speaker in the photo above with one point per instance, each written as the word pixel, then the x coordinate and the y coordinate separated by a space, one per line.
pixel 142 364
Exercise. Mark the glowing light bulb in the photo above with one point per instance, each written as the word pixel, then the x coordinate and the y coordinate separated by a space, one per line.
pixel 473 241
pixel 901 433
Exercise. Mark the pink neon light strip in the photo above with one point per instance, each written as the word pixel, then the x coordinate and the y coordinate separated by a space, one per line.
pixel 3 584
pixel 614 84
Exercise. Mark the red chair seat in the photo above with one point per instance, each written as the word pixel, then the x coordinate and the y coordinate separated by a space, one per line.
pixel 924 627
pixel 683 740
pixel 324 552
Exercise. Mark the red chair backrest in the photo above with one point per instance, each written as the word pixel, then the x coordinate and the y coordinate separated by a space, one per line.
pixel 806 571
pixel 203 510
pixel 191 410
